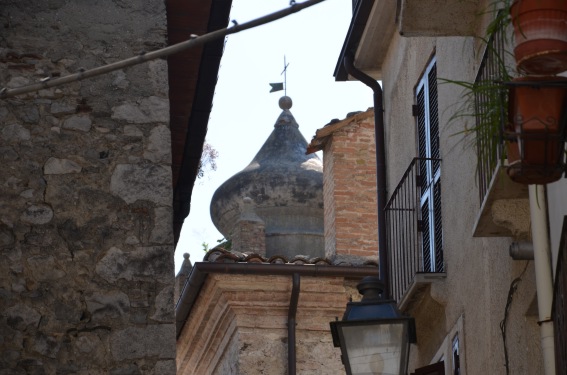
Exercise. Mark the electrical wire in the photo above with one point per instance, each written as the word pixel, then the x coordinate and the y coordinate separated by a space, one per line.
pixel 143 56
pixel 503 322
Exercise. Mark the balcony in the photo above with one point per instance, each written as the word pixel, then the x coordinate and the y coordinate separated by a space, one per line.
pixel 504 206
pixel 410 273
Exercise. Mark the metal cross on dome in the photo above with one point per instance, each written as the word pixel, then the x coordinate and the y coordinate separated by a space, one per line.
pixel 281 85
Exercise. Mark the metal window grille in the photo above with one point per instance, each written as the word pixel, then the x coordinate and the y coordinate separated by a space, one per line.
pixel 405 225
pixel 489 147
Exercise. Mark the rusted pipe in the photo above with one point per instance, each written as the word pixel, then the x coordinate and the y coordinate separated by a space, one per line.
pixel 291 314
pixel 348 62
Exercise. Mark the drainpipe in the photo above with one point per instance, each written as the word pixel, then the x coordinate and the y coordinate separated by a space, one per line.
pixel 380 166
pixel 543 276
pixel 291 353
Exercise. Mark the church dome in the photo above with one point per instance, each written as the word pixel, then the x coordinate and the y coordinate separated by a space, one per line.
pixel 286 186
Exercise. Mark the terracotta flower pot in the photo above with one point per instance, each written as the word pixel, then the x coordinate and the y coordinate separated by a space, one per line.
pixel 536 129
pixel 540 36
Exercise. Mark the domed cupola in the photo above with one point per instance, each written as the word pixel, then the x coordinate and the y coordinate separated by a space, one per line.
pixel 286 186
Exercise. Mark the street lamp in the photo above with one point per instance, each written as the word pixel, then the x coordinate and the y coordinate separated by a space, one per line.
pixel 373 336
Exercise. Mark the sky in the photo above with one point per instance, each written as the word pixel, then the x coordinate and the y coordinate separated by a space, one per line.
pixel 244 111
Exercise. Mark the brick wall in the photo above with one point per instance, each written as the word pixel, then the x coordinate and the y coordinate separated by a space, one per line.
pixel 351 222
pixel 239 324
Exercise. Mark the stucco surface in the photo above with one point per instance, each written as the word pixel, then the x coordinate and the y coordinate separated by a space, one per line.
pixel 479 271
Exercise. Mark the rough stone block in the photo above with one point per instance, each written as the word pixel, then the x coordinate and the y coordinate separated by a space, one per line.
pixel 130 369
pixel 17 82
pixel 20 316
pixel 109 305
pixel 45 345
pixel 148 110
pixel 61 166
pixel 62 109
pixel 37 214
pixel 162 233
pixel 158 148
pixel 44 268
pixel 164 305
pixel 6 236
pixel 145 263
pixel 139 342
pixel 133 131
pixel 150 182
pixel 15 133
pixel 80 123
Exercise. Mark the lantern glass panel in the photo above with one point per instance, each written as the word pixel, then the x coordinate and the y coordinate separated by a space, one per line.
pixel 376 348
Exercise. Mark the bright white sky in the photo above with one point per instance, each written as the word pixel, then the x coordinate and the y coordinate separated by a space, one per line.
pixel 244 112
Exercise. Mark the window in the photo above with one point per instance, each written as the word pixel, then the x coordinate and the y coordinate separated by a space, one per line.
pixel 450 357
pixel 456 361
pixel 429 170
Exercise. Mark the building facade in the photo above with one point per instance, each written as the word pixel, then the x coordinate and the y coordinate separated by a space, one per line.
pixel 455 223
pixel 264 307
pixel 464 242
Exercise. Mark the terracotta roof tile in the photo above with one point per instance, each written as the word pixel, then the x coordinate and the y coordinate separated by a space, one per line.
pixel 220 255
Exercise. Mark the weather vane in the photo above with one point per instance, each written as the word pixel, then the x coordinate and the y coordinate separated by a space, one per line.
pixel 281 85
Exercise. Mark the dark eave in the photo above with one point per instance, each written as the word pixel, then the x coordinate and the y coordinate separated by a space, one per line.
pixel 192 80
pixel 361 13
pixel 219 261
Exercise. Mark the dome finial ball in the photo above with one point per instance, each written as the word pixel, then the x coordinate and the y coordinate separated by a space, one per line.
pixel 285 102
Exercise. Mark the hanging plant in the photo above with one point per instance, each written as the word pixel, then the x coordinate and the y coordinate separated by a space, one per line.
pixel 484 101
pixel 540 36
pixel 535 129
pixel 527 114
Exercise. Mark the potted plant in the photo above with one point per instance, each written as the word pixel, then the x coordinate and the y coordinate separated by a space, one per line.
pixel 535 129
pixel 527 113
pixel 536 121
pixel 540 35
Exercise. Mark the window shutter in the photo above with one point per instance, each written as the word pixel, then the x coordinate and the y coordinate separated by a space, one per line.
pixel 422 137
pixel 439 267
pixel 427 120
pixel 426 236
pixel 433 116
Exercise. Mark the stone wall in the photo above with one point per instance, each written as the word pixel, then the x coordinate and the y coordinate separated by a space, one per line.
pixel 351 214
pixel 86 248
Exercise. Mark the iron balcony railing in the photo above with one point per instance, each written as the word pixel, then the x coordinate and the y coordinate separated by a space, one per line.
pixel 403 220
pixel 489 108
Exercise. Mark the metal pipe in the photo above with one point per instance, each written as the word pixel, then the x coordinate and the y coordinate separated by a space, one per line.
pixel 543 275
pixel 200 270
pixel 380 166
pixel 189 294
pixel 521 251
pixel 291 314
